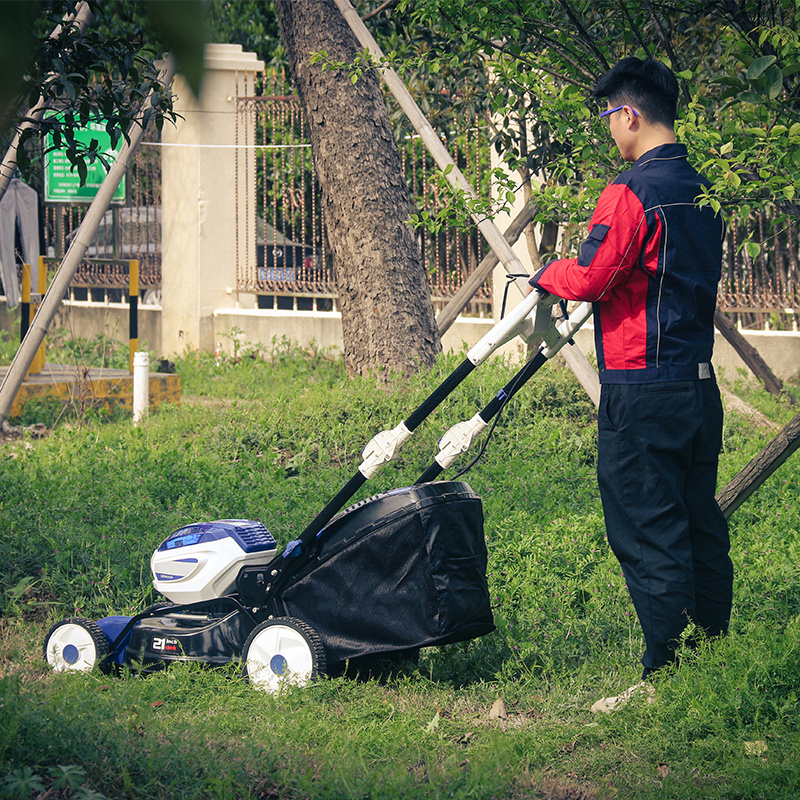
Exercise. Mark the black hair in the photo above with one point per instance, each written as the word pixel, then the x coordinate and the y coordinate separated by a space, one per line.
pixel 648 86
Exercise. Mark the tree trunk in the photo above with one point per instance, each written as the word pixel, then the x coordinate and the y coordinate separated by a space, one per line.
pixel 749 355
pixel 387 314
pixel 760 468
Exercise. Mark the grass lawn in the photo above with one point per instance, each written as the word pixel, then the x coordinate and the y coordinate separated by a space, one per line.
pixel 273 438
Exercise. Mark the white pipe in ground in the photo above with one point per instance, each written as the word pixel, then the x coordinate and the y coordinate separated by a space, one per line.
pixel 141 386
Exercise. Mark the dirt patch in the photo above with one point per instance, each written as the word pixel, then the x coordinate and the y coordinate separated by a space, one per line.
pixel 13 433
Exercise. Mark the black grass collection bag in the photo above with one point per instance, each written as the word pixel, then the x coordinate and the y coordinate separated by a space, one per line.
pixel 400 570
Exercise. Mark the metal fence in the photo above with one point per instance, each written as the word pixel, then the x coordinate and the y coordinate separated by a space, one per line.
pixel 293 265
pixel 767 285
pixel 128 231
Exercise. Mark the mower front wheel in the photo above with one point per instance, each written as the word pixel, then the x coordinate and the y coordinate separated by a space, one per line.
pixel 75 644
pixel 283 651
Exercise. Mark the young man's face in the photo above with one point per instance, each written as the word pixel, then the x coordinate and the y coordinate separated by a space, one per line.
pixel 623 124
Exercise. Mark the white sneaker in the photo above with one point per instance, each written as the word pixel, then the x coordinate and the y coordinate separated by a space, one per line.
pixel 607 704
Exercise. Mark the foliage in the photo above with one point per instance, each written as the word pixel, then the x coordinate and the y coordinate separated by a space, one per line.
pixel 8 346
pixel 250 23
pixel 738 66
pixel 103 74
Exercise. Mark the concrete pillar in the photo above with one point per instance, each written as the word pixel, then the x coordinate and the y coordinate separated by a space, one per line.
pixel 202 233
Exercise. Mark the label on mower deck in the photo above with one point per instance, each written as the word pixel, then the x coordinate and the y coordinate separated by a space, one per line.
pixel 163 644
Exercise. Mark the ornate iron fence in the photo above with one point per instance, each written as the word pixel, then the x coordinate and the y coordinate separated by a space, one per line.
pixel 292 254
pixel 767 284
pixel 292 228
pixel 293 265
pixel 130 231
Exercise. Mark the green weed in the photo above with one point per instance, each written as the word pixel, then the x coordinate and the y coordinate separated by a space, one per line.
pixel 273 438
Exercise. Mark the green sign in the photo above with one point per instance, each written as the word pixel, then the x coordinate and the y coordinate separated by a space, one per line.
pixel 62 184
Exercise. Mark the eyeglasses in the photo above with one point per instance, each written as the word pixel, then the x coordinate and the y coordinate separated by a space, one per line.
pixel 618 108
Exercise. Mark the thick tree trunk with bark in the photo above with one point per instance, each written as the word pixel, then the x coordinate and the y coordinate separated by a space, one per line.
pixel 387 314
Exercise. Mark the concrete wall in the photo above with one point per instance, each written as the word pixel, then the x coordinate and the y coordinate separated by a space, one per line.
pixel 87 320
pixel 324 328
pixel 780 349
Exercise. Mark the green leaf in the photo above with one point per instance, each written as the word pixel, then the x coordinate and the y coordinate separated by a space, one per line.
pixel 21 783
pixel 752 97
pixel 774 86
pixel 67 777
pixel 753 249
pixel 727 81
pixel 757 68
pixel 433 724
pixel 732 92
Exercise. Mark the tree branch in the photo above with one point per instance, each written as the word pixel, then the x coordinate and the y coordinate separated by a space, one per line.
pixel 584 34
pixel 376 11
pixel 662 34
pixel 636 32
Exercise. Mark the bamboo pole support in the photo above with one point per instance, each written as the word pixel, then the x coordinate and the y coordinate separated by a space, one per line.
pixel 432 142
pixel 760 468
pixel 497 241
pixel 749 355
pixel 458 302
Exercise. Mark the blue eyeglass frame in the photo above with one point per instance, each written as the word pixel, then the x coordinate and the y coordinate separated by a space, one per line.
pixel 618 108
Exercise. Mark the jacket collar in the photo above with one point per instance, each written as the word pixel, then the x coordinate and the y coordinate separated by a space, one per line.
pixel 664 152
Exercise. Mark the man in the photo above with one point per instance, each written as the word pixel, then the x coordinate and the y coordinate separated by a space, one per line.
pixel 650 266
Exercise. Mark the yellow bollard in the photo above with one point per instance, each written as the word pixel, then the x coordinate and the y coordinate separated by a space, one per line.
pixel 133 311
pixel 39 358
pixel 25 306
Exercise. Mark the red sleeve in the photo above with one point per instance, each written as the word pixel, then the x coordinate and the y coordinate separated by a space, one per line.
pixel 617 234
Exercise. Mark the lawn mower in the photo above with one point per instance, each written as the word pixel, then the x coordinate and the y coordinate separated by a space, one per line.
pixel 392 573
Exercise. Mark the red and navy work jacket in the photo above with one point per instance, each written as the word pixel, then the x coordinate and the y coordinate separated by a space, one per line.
pixel 650 267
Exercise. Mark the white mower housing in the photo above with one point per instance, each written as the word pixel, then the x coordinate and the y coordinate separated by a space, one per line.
pixel 200 562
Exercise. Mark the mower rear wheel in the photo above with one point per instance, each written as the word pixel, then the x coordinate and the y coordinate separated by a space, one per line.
pixel 283 651
pixel 75 644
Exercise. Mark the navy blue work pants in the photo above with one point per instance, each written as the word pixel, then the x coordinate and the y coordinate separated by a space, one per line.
pixel 658 449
